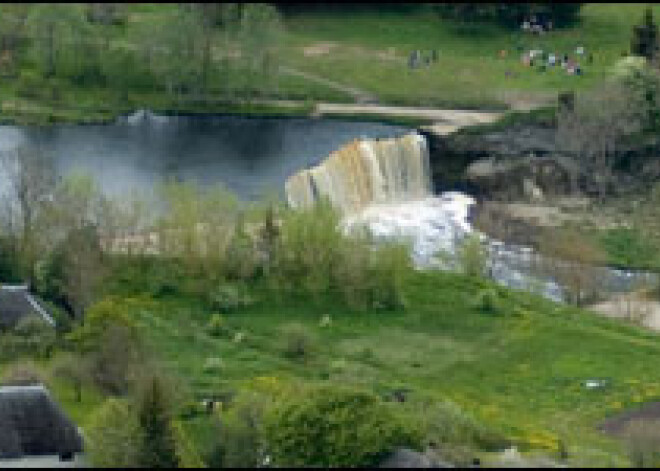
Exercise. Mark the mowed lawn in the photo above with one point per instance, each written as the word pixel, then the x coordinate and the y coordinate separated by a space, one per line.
pixel 522 371
pixel 369 50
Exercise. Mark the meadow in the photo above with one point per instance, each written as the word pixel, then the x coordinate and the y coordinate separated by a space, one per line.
pixel 520 369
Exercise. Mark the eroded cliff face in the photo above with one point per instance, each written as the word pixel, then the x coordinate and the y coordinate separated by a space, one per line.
pixel 527 162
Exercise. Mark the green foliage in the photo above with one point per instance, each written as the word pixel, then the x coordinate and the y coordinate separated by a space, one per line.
pixel 32 336
pixel 446 426
pixel 229 298
pixel 487 301
pixel 216 326
pixel 158 445
pixel 626 247
pixel 241 442
pixel 314 258
pixel 472 256
pixel 113 436
pixel 334 427
pixel 298 342
pixel 511 14
pixel 186 451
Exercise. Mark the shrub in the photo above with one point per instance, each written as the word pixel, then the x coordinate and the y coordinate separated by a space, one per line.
pixel 297 341
pixel 21 374
pixel 216 326
pixel 334 427
pixel 228 297
pixel 487 301
pixel 113 436
pixel 472 256
pixel 213 365
pixel 241 438
pixel 445 424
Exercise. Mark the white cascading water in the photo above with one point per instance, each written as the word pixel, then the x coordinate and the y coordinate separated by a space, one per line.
pixel 365 172
pixel 385 186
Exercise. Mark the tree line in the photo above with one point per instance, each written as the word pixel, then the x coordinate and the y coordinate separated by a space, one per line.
pixel 186 49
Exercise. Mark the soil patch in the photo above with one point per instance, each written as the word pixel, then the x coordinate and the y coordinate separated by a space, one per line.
pixel 617 425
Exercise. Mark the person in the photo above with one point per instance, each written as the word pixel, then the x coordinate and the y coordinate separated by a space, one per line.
pixel 552 60
pixel 434 55
pixel 590 59
pixel 579 50
pixel 578 70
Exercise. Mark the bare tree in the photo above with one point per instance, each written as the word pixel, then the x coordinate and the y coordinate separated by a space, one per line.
pixel 593 129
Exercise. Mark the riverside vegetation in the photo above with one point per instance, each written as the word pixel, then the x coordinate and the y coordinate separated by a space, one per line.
pixel 251 305
pixel 205 331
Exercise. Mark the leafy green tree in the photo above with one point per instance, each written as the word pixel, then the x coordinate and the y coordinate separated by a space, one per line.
pixel 158 448
pixel 54 30
pixel 114 438
pixel 334 427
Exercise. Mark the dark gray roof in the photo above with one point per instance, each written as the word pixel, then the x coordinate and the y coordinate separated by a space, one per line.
pixel 16 302
pixel 32 424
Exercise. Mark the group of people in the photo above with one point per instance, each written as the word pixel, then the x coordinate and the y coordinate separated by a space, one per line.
pixel 418 59
pixel 543 59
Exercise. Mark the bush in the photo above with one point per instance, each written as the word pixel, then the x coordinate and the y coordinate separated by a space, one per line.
pixel 114 436
pixel 213 365
pixel 487 301
pixel 216 326
pixel 334 427
pixel 241 439
pixel 228 297
pixel 21 374
pixel 297 341
pixel 472 256
pixel 446 426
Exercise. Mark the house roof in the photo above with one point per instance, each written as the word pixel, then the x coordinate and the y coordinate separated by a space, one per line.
pixel 16 302
pixel 33 424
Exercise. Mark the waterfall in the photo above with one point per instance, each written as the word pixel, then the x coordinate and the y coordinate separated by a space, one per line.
pixel 364 172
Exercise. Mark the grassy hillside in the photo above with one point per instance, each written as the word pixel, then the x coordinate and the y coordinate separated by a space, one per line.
pixel 520 369
pixel 370 49
pixel 339 57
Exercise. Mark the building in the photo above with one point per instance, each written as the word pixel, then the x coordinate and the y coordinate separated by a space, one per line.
pixel 35 430
pixel 16 303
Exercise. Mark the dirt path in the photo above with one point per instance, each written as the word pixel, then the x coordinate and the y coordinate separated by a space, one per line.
pixel 360 96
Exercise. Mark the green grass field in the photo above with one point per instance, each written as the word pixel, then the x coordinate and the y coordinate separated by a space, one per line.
pixel 469 71
pixel 520 371
pixel 365 50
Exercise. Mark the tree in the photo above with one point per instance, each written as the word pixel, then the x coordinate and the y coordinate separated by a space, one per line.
pixel 114 437
pixel 158 448
pixel 74 370
pixel 110 340
pixel 334 427
pixel 510 14
pixel 31 178
pixel 573 261
pixel 644 42
pixel 591 133
pixel 12 24
pixel 52 28
pixel 260 37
